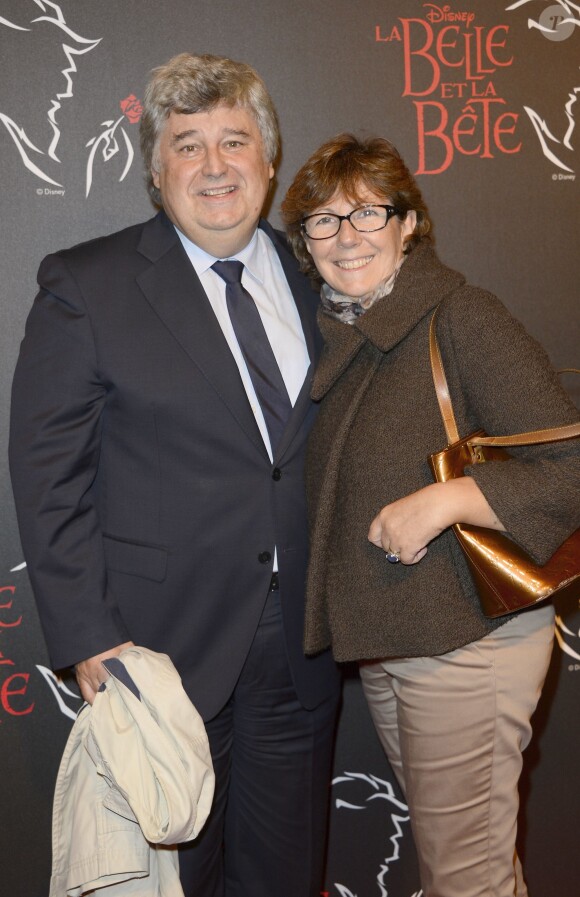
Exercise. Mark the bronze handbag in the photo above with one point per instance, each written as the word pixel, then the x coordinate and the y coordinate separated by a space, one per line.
pixel 506 578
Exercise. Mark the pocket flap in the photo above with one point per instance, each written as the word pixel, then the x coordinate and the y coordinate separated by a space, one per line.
pixel 136 559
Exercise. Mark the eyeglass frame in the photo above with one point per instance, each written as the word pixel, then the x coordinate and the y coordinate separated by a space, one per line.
pixel 390 210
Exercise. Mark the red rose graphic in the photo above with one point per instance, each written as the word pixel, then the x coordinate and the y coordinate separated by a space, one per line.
pixel 132 108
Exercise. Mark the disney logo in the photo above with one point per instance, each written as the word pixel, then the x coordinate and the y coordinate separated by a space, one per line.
pixel 446 14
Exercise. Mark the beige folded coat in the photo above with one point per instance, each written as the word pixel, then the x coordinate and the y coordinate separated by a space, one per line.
pixel 136 777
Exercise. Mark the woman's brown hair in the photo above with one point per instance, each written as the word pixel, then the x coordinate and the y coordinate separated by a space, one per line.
pixel 348 165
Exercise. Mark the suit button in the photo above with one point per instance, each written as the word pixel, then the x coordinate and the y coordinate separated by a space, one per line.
pixel 276 474
pixel 264 557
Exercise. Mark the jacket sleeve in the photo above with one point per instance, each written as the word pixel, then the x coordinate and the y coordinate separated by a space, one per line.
pixel 58 402
pixel 506 386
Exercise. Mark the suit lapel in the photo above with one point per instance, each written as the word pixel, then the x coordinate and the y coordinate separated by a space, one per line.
pixel 174 291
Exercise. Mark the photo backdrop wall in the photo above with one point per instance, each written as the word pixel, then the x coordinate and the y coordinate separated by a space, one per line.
pixel 482 100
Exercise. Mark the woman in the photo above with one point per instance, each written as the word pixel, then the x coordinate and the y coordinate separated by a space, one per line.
pixel 450 691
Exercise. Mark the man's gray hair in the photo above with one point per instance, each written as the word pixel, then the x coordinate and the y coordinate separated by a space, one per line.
pixel 188 84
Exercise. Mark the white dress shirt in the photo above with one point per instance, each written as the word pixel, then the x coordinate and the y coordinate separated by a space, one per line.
pixel 264 279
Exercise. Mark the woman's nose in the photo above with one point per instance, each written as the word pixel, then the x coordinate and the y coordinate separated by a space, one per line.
pixel 347 234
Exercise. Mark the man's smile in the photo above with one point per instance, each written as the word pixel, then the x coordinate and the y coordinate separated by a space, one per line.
pixel 217 191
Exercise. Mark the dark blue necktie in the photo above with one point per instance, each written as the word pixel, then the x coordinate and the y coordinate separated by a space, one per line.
pixel 257 351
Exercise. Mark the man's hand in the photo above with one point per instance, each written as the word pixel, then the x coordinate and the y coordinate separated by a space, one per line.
pixel 91 673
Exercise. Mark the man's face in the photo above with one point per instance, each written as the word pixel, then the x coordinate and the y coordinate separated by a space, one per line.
pixel 213 176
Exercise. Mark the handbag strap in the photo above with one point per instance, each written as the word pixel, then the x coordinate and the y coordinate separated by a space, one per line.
pixel 533 437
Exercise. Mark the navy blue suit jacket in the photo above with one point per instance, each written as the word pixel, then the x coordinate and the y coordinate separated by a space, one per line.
pixel 147 503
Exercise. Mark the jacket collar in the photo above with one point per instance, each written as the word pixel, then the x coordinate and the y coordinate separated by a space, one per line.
pixel 421 284
pixel 159 237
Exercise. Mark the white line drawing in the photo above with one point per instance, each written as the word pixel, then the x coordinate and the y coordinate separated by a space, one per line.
pixel 79 46
pixel 572 18
pixel 547 139
pixel 557 21
pixel 561 631
pixel 58 688
pixel 397 813
pixel 110 147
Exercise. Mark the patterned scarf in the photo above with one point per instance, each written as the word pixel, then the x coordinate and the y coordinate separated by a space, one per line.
pixel 348 308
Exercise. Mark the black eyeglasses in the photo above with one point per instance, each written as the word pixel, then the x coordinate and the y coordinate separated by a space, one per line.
pixel 365 219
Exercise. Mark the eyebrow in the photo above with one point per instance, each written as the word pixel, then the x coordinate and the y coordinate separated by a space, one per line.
pixel 360 204
pixel 192 132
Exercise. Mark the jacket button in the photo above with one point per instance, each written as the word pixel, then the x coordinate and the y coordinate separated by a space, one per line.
pixel 276 474
pixel 264 557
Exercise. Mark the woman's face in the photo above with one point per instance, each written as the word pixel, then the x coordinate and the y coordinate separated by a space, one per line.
pixel 356 263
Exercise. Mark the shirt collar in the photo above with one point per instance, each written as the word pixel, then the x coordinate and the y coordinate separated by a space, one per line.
pixel 252 255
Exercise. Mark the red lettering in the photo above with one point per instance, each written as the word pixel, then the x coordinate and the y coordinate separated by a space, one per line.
pixel 427 56
pixel 479 69
pixel 8 606
pixel 485 104
pixel 394 35
pixel 490 44
pixel 437 132
pixel 449 90
pixel 7 692
pixel 459 131
pixel 498 130
pixel 442 45
pixel 422 52
pixel 472 133
pixel 488 90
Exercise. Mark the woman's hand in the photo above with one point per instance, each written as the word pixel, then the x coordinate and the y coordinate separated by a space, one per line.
pixel 406 526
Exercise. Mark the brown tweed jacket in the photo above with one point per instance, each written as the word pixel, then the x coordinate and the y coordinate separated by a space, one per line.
pixel 378 422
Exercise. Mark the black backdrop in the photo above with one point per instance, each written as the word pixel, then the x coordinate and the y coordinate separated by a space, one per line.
pixel 481 98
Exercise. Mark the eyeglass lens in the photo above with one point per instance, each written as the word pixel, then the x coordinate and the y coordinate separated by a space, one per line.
pixel 365 219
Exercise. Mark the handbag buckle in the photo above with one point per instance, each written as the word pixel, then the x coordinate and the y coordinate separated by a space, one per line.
pixel 477 454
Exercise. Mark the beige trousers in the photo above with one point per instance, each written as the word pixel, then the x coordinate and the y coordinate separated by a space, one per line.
pixel 454 728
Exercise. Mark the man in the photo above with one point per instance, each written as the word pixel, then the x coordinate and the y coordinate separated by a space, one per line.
pixel 156 452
